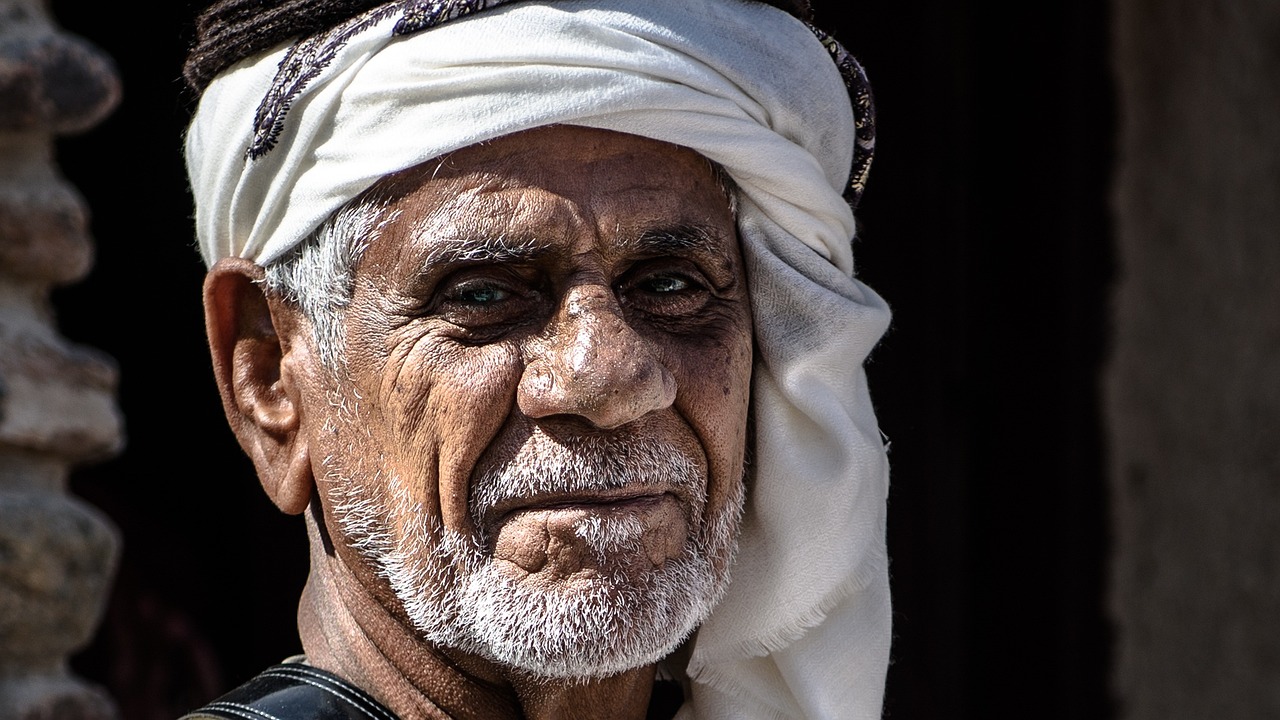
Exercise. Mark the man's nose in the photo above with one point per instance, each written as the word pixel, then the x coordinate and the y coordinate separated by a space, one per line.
pixel 594 365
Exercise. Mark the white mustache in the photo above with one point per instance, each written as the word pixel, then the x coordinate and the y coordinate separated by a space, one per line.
pixel 548 467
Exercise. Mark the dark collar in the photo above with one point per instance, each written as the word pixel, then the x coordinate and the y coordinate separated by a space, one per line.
pixel 297 691
pixel 294 691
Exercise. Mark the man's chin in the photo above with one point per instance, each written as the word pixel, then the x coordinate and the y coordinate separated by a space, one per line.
pixel 631 607
pixel 594 627
pixel 593 624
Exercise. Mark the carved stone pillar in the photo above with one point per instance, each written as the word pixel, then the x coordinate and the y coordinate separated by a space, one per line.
pixel 57 406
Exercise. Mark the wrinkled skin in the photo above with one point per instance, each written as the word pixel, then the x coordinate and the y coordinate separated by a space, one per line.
pixel 624 315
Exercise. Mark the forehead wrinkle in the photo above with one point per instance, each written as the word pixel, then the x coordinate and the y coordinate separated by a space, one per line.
pixel 495 220
pixel 457 233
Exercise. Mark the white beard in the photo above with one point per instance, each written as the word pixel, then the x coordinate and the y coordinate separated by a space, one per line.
pixel 457 596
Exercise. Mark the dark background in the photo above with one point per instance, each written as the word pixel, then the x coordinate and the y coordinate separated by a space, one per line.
pixel 984 225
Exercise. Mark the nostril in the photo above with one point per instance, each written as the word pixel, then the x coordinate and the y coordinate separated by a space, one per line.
pixel 538 381
pixel 608 392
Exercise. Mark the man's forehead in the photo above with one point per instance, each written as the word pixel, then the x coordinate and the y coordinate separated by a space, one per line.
pixel 541 191
pixel 559 158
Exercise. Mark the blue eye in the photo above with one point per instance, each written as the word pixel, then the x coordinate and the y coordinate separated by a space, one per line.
pixel 481 294
pixel 666 284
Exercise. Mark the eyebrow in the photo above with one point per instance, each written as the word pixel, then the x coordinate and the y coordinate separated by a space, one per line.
pixel 674 239
pixel 472 249
pixel 492 248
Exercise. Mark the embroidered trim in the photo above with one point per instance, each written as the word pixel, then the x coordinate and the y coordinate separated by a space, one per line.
pixel 304 61
pixel 864 113
pixel 309 57
pixel 426 14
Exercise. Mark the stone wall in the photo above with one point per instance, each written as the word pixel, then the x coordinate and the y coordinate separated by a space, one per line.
pixel 57 406
pixel 1193 390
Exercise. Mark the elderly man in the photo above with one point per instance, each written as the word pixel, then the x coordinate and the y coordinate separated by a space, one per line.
pixel 543 314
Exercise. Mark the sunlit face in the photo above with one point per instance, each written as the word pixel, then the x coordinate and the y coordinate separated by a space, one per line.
pixel 534 451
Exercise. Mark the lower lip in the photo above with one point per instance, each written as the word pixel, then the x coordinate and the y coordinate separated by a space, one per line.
pixel 561 539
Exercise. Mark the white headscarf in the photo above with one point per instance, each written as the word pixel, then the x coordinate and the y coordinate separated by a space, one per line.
pixel 804 629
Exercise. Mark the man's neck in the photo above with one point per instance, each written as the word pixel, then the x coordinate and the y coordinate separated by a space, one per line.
pixel 346 630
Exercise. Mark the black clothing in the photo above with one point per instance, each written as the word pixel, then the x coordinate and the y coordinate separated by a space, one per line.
pixel 294 691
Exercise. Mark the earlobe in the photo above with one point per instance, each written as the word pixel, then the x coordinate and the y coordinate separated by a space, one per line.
pixel 250 340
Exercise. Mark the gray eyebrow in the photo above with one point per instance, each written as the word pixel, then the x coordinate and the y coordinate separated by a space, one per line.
pixel 663 241
pixel 470 249
pixel 464 249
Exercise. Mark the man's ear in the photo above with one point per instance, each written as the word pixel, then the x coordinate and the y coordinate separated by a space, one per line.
pixel 250 339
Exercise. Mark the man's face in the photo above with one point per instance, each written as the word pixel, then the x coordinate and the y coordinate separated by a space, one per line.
pixel 534 450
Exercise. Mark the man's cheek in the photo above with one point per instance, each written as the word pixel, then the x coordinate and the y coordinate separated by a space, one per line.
pixel 714 374
pixel 434 392
pixel 464 409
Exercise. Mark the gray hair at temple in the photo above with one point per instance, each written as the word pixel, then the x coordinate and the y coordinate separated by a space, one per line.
pixel 318 275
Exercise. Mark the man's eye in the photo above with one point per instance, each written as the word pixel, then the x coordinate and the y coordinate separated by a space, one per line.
pixel 665 291
pixel 662 284
pixel 479 293
pixel 481 306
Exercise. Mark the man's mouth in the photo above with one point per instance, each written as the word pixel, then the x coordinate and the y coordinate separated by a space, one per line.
pixel 617 500
pixel 576 535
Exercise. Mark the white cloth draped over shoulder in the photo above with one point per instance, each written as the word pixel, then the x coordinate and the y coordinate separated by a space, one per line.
pixel 804 629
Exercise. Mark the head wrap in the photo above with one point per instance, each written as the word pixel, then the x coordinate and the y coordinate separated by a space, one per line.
pixel 282 141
